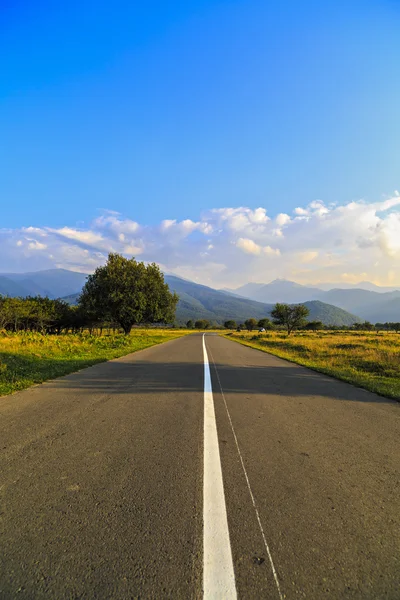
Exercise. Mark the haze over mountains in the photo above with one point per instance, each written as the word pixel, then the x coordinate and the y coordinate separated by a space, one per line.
pixel 196 301
pixel 336 306
pixel 54 283
pixel 369 304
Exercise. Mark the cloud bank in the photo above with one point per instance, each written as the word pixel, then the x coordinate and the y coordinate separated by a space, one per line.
pixel 229 246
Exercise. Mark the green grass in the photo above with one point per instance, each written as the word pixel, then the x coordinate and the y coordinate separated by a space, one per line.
pixel 31 358
pixel 368 360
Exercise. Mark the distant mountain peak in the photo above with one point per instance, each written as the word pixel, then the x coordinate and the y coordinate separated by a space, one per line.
pixel 280 281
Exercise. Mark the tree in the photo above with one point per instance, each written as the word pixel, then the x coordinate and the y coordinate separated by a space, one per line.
pixel 230 324
pixel 366 326
pixel 250 324
pixel 314 325
pixel 264 323
pixel 202 324
pixel 291 317
pixel 190 324
pixel 128 292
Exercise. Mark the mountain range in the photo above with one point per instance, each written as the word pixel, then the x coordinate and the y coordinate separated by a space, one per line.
pixel 53 283
pixel 340 306
pixel 195 301
pixel 369 304
pixel 202 302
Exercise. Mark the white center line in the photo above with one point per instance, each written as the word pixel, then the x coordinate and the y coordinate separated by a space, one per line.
pixel 218 573
pixel 253 500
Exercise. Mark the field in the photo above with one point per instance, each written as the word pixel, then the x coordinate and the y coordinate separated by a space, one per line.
pixel 30 358
pixel 367 359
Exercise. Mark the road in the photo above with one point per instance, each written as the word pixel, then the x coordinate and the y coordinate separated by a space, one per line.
pixel 108 475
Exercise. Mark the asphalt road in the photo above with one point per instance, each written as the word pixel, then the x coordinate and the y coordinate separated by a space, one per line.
pixel 103 481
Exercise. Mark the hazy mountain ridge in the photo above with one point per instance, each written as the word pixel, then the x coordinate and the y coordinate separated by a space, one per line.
pixel 336 307
pixel 54 283
pixel 201 302
pixel 370 305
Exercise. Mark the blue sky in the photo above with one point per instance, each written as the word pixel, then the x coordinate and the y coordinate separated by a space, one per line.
pixel 167 110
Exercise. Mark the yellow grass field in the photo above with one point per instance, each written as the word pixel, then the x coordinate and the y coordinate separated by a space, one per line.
pixel 30 358
pixel 367 359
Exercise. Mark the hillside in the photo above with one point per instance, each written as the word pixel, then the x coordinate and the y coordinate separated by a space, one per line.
pixel 279 290
pixel 372 306
pixel 196 301
pixel 201 302
pixel 369 304
pixel 329 314
pixel 54 283
pixel 12 288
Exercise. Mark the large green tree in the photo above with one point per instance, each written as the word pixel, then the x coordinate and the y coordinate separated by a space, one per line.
pixel 128 292
pixel 290 316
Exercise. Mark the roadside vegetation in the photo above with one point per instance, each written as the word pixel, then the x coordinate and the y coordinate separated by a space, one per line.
pixel 118 295
pixel 30 358
pixel 41 338
pixel 368 359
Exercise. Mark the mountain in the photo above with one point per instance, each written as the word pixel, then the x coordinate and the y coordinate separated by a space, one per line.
pixel 248 290
pixel 363 285
pixel 201 302
pixel 369 304
pixel 54 283
pixel 8 287
pixel 329 314
pixel 279 290
pixel 284 286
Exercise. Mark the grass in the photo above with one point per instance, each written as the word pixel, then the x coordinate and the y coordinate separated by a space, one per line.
pixel 31 358
pixel 366 359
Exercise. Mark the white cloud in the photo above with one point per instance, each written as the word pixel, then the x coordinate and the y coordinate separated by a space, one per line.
pixel 35 245
pixel 300 211
pixel 86 237
pixel 282 219
pixel 229 246
pixel 248 246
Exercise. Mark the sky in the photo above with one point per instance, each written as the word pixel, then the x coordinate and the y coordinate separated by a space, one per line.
pixel 229 141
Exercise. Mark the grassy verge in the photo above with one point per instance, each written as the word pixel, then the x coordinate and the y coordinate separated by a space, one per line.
pixel 30 358
pixel 368 360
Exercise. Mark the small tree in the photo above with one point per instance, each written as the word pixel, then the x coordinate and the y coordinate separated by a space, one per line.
pixel 366 326
pixel 265 323
pixel 128 292
pixel 190 324
pixel 230 324
pixel 250 324
pixel 202 324
pixel 291 317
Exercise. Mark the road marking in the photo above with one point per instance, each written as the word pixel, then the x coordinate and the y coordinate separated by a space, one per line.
pixel 249 487
pixel 218 574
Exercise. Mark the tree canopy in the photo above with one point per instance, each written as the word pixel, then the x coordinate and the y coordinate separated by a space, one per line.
pixel 265 323
pixel 291 317
pixel 230 324
pixel 128 292
pixel 250 324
